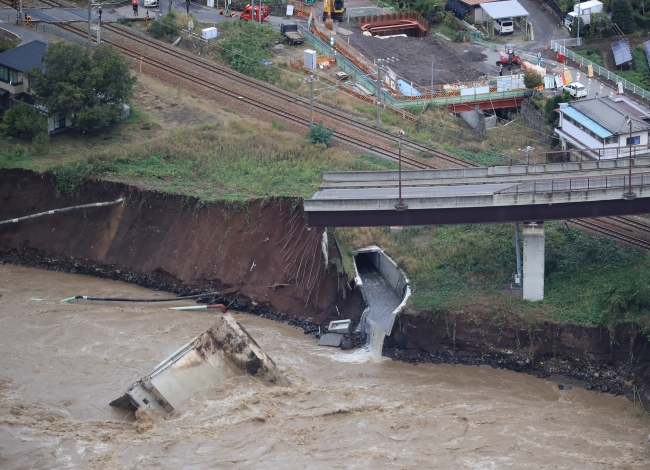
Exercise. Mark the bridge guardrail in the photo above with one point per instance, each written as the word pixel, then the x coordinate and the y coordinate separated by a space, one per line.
pixel 576 184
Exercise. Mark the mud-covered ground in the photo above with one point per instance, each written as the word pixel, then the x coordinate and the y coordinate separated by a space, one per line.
pixel 453 62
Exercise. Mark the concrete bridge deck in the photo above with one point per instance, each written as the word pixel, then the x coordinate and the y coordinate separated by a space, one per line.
pixel 370 199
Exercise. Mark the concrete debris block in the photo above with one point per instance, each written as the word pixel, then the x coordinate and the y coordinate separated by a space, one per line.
pixel 223 351
pixel 331 339
pixel 343 327
pixel 346 345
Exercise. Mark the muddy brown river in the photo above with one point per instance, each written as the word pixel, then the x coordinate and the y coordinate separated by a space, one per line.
pixel 63 363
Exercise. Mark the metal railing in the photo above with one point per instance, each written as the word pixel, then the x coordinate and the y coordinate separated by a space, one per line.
pixel 577 184
pixel 602 71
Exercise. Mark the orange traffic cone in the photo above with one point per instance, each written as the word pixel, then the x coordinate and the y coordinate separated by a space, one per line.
pixel 464 40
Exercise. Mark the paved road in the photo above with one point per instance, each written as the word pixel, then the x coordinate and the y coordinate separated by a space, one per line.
pixel 411 192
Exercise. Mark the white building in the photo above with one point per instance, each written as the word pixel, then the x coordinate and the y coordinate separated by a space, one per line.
pixel 601 126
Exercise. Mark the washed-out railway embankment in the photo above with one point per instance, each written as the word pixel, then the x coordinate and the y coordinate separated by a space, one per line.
pixel 261 256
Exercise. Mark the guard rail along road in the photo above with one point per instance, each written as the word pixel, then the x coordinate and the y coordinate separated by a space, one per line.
pixel 602 71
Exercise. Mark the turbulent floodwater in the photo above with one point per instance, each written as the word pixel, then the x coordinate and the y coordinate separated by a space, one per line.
pixel 63 364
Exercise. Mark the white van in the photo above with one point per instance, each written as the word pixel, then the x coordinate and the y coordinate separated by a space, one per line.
pixel 504 26
pixel 150 3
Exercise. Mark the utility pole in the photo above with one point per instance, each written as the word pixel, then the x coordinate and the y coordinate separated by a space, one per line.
pixel 99 25
pixel 90 35
pixel 629 194
pixel 169 7
pixel 379 92
pixel 20 12
pixel 431 99
pixel 579 18
pixel 400 206
pixel 311 100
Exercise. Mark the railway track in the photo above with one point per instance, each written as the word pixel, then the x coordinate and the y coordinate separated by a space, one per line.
pixel 615 232
pixel 279 94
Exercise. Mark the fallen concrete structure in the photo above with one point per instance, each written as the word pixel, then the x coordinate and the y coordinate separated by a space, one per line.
pixel 225 350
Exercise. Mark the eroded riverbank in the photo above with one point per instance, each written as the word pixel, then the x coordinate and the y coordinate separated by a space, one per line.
pixel 63 363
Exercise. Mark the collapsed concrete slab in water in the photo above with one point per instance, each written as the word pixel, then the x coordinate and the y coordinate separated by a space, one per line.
pixel 223 351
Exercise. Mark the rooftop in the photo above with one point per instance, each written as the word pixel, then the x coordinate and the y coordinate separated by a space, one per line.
pixel 24 57
pixel 477 2
pixel 507 9
pixel 610 115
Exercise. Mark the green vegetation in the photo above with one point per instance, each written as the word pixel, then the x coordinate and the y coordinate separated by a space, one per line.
pixel 214 161
pixel 23 120
pixel 593 54
pixel 589 280
pixel 533 80
pixel 6 45
pixel 93 87
pixel 246 48
pixel 640 75
pixel 319 134
pixel 486 157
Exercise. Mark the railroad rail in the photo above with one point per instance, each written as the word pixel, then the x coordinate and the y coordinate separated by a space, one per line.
pixel 604 228
pixel 274 92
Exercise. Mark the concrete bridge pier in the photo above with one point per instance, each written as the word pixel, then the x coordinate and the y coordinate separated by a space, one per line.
pixel 533 233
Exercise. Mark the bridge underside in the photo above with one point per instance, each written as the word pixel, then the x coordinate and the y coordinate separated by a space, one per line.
pixel 478 215
pixel 486 105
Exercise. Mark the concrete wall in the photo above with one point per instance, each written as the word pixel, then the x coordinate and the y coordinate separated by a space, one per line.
pixel 391 273
pixel 478 120
pixel 535 121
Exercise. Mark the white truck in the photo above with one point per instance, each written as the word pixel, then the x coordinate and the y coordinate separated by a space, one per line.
pixel 584 10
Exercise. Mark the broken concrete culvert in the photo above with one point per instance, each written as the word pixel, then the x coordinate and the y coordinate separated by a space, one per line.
pixel 225 350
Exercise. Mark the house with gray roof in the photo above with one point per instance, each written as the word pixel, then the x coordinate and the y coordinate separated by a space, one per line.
pixel 13 65
pixel 14 84
pixel 604 127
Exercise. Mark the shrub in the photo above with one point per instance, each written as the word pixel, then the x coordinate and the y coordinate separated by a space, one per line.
pixel 246 48
pixel 24 120
pixel 319 134
pixel 41 143
pixel 533 80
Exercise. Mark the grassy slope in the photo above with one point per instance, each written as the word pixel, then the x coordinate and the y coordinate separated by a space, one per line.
pixel 589 280
pixel 235 160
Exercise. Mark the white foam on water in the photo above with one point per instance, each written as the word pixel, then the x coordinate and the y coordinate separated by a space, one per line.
pixel 376 336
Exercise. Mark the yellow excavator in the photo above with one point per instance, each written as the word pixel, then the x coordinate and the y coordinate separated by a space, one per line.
pixel 333 10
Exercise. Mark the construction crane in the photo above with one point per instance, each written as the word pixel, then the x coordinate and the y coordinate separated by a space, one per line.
pixel 333 10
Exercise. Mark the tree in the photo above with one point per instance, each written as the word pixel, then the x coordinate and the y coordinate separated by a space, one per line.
pixel 24 120
pixel 575 28
pixel 93 87
pixel 533 80
pixel 623 15
pixel 320 134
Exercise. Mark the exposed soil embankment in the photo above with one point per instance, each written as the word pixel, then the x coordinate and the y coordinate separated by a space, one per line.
pixel 613 362
pixel 259 254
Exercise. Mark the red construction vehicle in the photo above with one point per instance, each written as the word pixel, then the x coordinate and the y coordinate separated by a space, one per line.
pixel 509 59
pixel 247 13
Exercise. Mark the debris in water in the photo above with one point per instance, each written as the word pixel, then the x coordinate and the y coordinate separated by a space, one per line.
pixel 223 351
pixel 331 339
pixel 340 326
pixel 36 299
